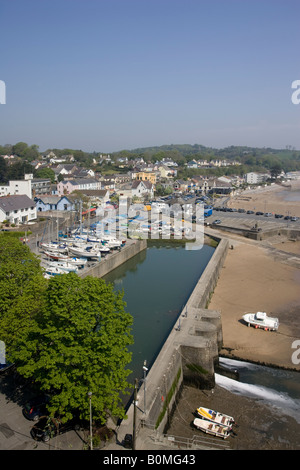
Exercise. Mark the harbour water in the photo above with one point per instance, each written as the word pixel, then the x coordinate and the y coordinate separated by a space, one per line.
pixel 157 283
pixel 278 388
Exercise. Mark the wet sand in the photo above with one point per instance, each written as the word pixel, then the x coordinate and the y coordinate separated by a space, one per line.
pixel 253 278
pixel 276 199
pixel 259 427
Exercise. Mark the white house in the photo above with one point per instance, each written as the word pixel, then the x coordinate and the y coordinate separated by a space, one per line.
pixel 53 202
pixel 255 178
pixel 138 188
pixel 17 209
pixel 17 187
pixel 142 188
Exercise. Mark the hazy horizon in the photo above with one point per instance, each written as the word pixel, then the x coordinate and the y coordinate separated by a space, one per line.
pixel 111 75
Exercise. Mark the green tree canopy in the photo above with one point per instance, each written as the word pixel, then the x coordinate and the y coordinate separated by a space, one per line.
pixel 21 289
pixel 79 344
pixel 45 173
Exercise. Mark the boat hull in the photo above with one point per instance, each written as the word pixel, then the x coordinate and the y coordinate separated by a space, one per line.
pixel 215 417
pixel 262 321
pixel 211 428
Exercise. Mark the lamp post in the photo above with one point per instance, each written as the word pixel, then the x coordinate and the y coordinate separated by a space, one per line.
pixel 91 430
pixel 134 415
pixel 145 369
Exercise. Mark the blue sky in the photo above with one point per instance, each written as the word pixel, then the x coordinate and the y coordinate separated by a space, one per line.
pixel 108 75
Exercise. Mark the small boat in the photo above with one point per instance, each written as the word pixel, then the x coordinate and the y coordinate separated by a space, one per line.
pixel 112 243
pixel 55 255
pixel 54 247
pixel 215 417
pixel 212 428
pixel 61 257
pixel 85 253
pixel 64 265
pixel 52 271
pixel 261 320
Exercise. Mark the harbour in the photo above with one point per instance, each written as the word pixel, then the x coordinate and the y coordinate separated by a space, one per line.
pixel 165 323
pixel 157 284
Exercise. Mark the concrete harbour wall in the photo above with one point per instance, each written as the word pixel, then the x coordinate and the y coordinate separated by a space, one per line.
pixel 188 355
pixel 110 263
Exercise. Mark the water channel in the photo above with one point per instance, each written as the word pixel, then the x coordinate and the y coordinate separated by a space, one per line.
pixel 157 283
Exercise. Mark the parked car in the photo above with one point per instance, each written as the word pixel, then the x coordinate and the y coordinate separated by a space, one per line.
pixel 278 216
pixel 241 211
pixel 36 407
pixel 128 441
pixel 48 427
pixel 259 213
pixel 6 367
pixel 217 221
pixel 250 212
pixel 268 214
pixel 294 219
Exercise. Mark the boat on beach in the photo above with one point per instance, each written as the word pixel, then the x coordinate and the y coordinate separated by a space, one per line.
pixel 261 320
pixel 215 417
pixel 212 428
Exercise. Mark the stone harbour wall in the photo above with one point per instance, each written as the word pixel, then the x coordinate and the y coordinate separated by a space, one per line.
pixel 188 355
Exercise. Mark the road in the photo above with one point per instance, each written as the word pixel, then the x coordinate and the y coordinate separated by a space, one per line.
pixel 15 428
pixel 247 221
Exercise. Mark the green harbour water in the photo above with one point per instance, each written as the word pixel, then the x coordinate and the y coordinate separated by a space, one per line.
pixel 157 284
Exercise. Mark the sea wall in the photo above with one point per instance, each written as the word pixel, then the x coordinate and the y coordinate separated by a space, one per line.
pixel 288 232
pixel 188 355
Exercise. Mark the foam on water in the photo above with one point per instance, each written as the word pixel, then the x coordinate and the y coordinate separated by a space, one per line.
pixel 280 400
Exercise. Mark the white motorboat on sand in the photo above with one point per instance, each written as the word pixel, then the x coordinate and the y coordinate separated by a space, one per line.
pixel 261 320
pixel 212 428
pixel 215 417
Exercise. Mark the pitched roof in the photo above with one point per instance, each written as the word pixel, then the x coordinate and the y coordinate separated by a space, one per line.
pixel 15 202
pixel 80 181
pixel 146 183
pixel 50 199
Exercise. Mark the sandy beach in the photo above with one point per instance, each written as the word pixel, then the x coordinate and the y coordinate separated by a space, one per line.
pixel 254 279
pixel 277 199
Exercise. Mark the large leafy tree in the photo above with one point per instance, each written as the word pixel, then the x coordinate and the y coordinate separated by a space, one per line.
pixel 79 345
pixel 21 289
